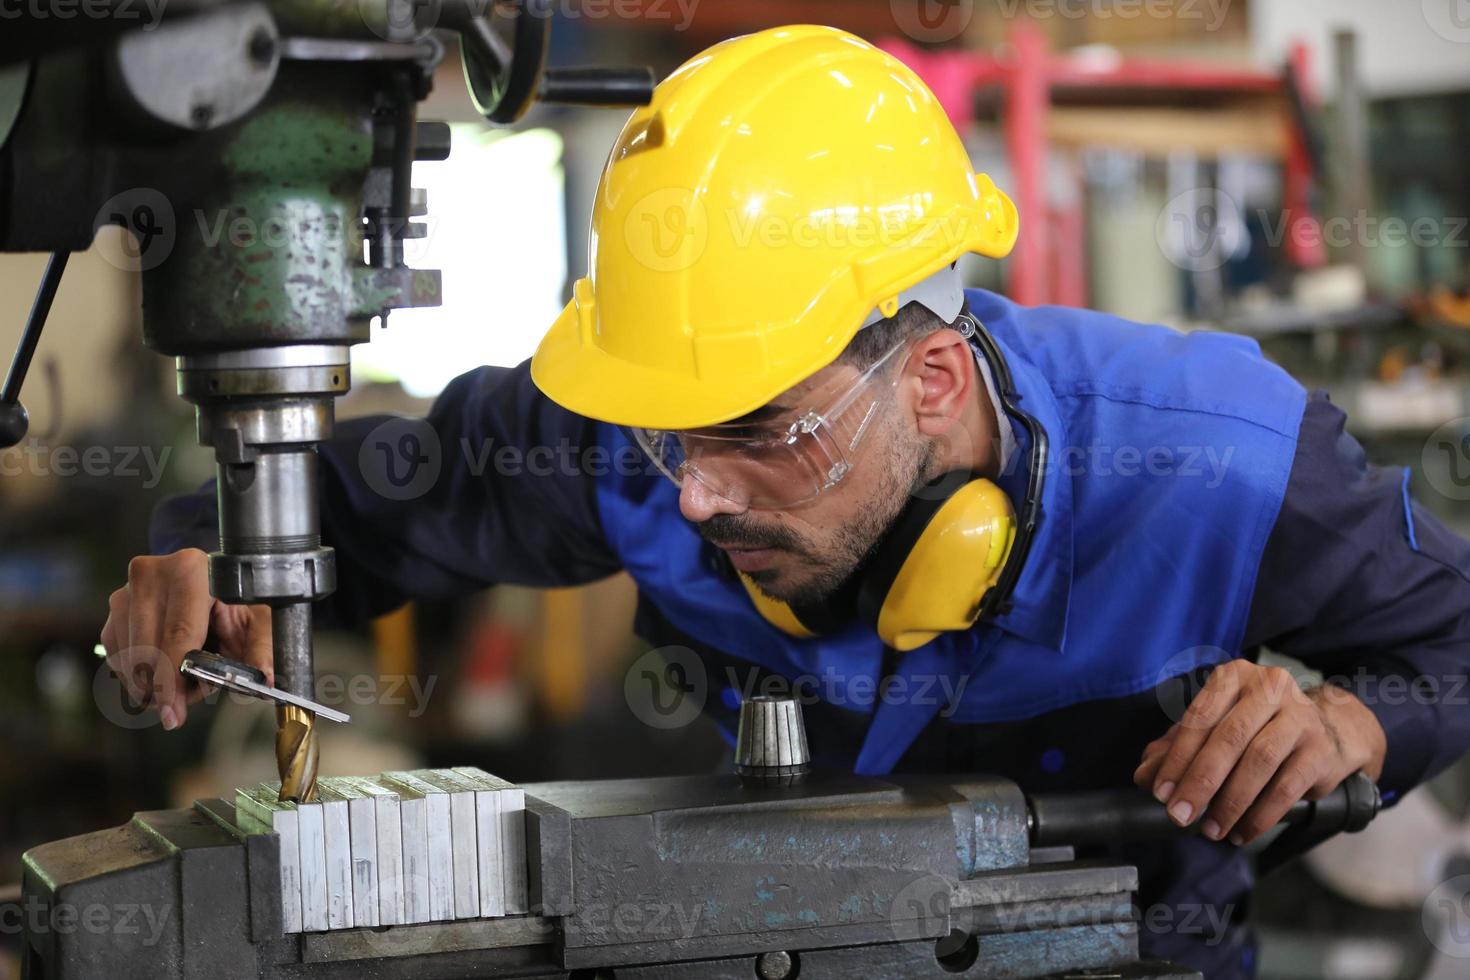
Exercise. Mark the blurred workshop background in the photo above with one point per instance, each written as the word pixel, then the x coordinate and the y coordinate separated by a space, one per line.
pixel 1294 170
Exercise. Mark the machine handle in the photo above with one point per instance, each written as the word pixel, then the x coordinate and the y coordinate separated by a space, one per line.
pixel 629 87
pixel 1132 814
pixel 14 420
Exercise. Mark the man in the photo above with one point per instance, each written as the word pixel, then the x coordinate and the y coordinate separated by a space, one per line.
pixel 973 537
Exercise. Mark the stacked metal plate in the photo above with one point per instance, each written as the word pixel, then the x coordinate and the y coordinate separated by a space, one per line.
pixel 401 847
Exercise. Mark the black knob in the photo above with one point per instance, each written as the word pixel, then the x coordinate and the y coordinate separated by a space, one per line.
pixel 15 422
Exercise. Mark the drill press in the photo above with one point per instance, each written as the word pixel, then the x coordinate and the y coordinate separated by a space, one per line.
pixel 262 154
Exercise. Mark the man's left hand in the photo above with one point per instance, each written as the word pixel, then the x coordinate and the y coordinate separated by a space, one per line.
pixel 1252 744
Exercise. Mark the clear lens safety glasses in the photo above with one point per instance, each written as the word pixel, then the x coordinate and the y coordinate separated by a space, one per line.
pixel 778 458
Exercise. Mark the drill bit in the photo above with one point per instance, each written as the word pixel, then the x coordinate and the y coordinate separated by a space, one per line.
pixel 296 753
pixel 296 739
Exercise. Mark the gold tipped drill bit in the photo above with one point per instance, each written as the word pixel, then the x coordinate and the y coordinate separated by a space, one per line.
pixel 296 754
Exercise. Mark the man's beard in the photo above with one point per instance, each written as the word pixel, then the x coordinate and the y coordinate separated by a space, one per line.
pixel 832 568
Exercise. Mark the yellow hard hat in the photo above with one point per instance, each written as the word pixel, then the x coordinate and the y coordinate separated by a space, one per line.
pixel 780 188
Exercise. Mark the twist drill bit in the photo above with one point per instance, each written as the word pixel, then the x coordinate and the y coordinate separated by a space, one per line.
pixel 296 754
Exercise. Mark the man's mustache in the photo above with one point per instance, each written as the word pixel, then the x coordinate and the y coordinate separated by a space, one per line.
pixel 740 532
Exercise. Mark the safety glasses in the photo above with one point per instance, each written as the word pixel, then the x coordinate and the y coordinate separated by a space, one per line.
pixel 778 458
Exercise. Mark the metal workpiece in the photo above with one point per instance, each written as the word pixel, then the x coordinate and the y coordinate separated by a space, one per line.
pixel 501 811
pixel 771 744
pixel 427 801
pixel 388 828
pixel 464 837
pixel 337 849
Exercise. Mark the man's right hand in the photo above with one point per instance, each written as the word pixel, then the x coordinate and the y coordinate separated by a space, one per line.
pixel 164 612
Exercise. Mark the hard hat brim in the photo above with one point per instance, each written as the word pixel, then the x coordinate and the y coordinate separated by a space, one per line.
pixel 585 379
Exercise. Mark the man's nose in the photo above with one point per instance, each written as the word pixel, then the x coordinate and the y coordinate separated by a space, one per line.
pixel 698 503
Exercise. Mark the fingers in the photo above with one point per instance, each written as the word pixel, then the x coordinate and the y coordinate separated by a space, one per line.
pixel 115 642
pixel 1249 748
pixel 147 600
pixel 1214 702
pixel 1258 766
pixel 1225 747
pixel 1154 754
pixel 1303 769
pixel 244 633
pixel 185 625
pixel 153 622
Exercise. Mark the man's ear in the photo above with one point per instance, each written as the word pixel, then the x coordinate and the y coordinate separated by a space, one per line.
pixel 944 366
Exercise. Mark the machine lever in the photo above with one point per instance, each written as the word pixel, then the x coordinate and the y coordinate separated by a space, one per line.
pixel 14 420
pixel 627 87
pixel 1110 816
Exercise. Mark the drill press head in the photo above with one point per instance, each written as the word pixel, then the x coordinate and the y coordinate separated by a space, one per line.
pixel 281 136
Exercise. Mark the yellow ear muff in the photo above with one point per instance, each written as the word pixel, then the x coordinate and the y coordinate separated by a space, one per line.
pixel 954 561
pixel 932 571
pixel 776 612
